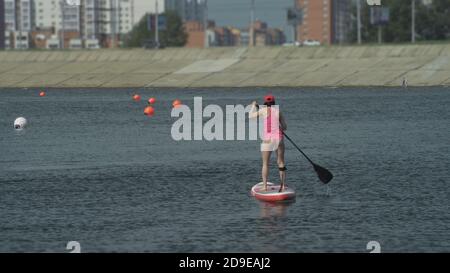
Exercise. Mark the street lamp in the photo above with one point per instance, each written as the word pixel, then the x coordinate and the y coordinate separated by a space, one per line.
pixel 156 24
pixel 62 4
pixel 205 22
pixel 252 23
pixel 413 21
pixel 358 17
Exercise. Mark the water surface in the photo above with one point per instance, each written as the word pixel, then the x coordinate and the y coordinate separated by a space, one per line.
pixel 92 168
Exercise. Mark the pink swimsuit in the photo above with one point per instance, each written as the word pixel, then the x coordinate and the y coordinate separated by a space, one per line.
pixel 272 130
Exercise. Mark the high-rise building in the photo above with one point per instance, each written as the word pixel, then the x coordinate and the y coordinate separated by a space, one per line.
pixel 88 26
pixel 102 20
pixel 17 15
pixel 71 18
pixel 61 19
pixel 9 22
pixel 316 23
pixel 10 15
pixel 114 16
pixel 341 21
pixel 2 24
pixel 188 10
pixel 125 16
pixel 49 14
pixel 23 15
pixel 17 23
pixel 108 19
pixel 326 21
pixel 107 16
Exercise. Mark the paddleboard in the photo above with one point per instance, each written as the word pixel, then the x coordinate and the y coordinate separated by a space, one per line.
pixel 272 194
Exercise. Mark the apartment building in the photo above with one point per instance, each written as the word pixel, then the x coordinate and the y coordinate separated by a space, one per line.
pixel 189 10
pixel 18 22
pixel 88 20
pixel 326 21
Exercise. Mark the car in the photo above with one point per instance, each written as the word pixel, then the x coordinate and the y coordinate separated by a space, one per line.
pixel 311 43
pixel 150 44
pixel 296 43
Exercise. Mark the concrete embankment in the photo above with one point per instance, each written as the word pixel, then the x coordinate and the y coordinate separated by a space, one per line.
pixel 422 65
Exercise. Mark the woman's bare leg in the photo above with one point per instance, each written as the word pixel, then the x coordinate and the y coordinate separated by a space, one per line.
pixel 281 164
pixel 265 167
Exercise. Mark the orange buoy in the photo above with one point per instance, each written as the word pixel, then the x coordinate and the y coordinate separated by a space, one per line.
pixel 151 100
pixel 176 103
pixel 149 111
pixel 42 94
pixel 136 97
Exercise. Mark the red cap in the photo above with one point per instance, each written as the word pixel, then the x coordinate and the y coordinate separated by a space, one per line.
pixel 269 98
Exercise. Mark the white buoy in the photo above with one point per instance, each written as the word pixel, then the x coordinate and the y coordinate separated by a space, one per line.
pixel 20 123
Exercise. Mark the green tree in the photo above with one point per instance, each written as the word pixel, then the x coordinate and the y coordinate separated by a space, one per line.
pixel 432 21
pixel 173 36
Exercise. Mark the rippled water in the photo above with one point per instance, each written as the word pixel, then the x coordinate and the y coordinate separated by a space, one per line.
pixel 92 168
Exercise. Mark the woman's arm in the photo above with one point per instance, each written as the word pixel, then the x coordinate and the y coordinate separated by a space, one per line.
pixel 254 111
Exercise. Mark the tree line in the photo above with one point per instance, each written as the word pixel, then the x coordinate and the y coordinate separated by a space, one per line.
pixel 173 35
pixel 432 22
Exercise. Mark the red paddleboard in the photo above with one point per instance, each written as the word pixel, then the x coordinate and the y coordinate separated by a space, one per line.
pixel 272 194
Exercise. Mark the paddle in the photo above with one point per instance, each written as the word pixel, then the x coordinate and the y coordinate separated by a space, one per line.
pixel 324 175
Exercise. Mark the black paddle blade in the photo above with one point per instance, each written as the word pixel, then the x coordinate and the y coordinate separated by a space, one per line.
pixel 324 175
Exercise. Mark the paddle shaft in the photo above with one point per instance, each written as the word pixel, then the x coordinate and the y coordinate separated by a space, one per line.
pixel 324 175
pixel 295 145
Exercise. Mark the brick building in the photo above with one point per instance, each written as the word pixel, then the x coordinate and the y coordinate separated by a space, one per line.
pixel 196 34
pixel 40 37
pixel 231 36
pixel 326 21
pixel 265 36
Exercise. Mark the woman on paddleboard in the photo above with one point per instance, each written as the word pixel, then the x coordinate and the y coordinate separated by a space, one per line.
pixel 274 126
